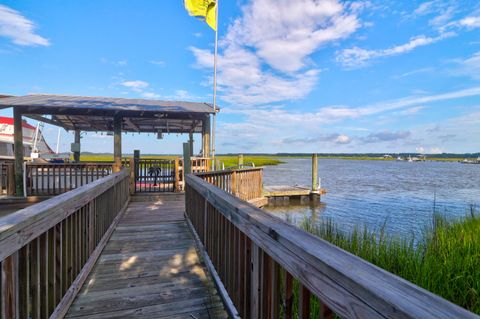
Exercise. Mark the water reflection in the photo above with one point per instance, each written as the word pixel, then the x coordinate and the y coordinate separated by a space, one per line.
pixel 400 195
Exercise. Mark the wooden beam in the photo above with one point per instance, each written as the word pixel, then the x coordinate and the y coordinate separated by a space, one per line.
pixel 90 122
pixel 18 149
pixel 46 120
pixel 132 125
pixel 117 142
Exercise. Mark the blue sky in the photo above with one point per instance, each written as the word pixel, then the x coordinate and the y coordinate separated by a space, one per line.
pixel 294 76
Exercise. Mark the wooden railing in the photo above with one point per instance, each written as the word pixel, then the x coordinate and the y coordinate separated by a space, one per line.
pixel 48 249
pixel 7 178
pixel 246 183
pixel 198 165
pixel 269 268
pixel 54 179
pixel 154 175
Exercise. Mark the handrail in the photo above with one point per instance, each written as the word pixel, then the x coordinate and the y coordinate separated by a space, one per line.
pixel 57 178
pixel 48 249
pixel 253 251
pixel 245 183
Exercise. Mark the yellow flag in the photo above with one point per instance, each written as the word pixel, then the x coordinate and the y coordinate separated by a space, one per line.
pixel 204 10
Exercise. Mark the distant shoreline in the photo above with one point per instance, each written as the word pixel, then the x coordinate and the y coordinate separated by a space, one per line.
pixel 230 160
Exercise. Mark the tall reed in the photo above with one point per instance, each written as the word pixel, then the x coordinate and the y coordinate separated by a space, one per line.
pixel 446 261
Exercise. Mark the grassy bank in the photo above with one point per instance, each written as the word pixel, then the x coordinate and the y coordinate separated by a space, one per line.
pixel 228 160
pixel 446 261
pixel 257 160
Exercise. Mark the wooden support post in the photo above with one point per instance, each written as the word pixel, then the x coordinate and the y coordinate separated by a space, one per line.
pixel 117 143
pixel 18 149
pixel 76 153
pixel 240 160
pixel 136 159
pixel 190 142
pixel 187 163
pixel 314 173
pixel 206 136
pixel 314 192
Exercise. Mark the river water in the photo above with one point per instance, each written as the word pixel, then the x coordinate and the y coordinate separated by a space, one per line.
pixel 401 195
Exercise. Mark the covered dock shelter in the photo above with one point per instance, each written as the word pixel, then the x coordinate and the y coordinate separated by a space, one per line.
pixel 105 114
pixel 97 251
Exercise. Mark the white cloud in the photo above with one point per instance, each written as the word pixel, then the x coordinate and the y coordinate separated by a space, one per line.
pixel 412 110
pixel 136 86
pixel 467 23
pixel 470 66
pixel 470 22
pixel 417 71
pixel 451 135
pixel 436 150
pixel 295 29
pixel 150 95
pixel 15 26
pixel 274 123
pixel 184 95
pixel 158 62
pixel 424 8
pixel 257 67
pixel 342 139
pixel 330 114
pixel 420 149
pixel 357 57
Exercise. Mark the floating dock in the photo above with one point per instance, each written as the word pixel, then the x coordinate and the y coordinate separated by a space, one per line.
pixel 282 194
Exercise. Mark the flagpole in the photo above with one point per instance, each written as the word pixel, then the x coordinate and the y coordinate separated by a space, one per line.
pixel 214 124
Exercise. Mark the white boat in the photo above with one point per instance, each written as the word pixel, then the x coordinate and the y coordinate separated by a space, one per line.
pixel 6 139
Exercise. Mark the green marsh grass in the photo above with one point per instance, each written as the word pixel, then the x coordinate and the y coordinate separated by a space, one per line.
pixel 446 261
pixel 229 161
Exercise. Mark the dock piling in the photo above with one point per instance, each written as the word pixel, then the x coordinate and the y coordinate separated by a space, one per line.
pixel 314 173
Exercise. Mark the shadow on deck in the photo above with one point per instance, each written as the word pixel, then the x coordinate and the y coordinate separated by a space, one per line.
pixel 149 268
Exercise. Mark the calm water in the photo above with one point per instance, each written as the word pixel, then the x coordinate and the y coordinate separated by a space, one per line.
pixel 371 193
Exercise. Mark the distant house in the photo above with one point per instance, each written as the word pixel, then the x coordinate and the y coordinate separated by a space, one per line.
pixel 386 156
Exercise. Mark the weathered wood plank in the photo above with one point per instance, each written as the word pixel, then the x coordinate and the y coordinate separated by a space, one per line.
pixel 149 268
pixel 363 291
pixel 21 227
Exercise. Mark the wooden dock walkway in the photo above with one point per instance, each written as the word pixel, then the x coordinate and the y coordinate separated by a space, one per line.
pixel 149 268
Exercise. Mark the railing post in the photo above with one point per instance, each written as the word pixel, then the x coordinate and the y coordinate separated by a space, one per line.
pixel 205 213
pixel 234 183
pixel 240 160
pixel 187 165
pixel 255 281
pixel 9 287
pixel 10 174
pixel 132 176
pixel 177 175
